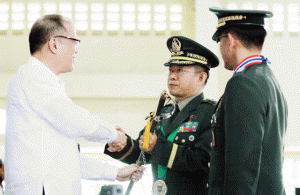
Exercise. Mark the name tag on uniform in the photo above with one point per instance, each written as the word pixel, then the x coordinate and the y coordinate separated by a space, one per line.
pixel 188 127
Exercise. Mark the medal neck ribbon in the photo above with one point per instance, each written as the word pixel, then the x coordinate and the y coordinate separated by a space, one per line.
pixel 251 60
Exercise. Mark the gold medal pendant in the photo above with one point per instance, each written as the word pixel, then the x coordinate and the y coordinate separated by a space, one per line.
pixel 160 187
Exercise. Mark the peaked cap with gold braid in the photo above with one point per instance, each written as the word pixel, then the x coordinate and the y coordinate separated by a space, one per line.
pixel 228 17
pixel 186 52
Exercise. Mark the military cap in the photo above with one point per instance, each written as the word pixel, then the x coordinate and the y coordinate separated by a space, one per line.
pixel 238 17
pixel 186 52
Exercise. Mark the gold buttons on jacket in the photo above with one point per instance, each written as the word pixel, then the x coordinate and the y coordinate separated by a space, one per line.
pixel 183 141
pixel 207 185
pixel 176 138
pixel 208 164
pixel 211 144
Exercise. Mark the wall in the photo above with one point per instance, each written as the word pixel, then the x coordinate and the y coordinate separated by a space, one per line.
pixel 119 76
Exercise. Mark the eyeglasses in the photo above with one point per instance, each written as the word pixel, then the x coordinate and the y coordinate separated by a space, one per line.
pixel 178 72
pixel 219 38
pixel 77 41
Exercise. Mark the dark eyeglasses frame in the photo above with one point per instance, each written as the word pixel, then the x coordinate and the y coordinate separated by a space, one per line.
pixel 77 41
pixel 219 38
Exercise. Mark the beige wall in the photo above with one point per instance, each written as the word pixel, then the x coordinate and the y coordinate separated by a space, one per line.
pixel 117 76
pixel 122 75
pixel 107 53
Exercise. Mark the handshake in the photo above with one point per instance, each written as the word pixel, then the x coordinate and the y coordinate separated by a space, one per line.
pixel 119 144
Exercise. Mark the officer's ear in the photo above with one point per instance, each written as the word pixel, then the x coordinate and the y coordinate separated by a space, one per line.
pixel 233 41
pixel 202 77
pixel 54 45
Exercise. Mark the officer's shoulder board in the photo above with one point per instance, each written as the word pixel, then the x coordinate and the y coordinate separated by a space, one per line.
pixel 209 101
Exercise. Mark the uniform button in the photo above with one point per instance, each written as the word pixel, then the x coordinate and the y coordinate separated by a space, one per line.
pixel 207 185
pixel 176 138
pixel 208 164
pixel 192 138
pixel 183 141
pixel 211 144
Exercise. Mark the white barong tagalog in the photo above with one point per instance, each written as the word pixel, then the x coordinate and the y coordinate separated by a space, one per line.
pixel 41 131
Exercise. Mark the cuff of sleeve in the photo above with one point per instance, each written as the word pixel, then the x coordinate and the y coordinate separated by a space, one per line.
pixel 94 170
pixel 124 153
pixel 104 133
pixel 111 173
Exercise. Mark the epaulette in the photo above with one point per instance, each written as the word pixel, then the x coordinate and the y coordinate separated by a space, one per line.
pixel 209 101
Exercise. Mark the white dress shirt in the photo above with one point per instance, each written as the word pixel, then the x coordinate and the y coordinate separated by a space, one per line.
pixel 41 131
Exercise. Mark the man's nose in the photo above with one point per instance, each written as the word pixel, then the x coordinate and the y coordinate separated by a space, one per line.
pixel 173 75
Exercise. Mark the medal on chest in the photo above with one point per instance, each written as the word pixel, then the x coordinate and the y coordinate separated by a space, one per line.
pixel 189 126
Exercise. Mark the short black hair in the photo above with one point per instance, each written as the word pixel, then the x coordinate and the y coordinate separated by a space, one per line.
pixel 43 29
pixel 251 36
pixel 202 69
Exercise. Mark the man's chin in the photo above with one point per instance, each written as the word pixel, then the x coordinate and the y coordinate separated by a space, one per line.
pixel 174 93
pixel 68 70
pixel 228 66
pixel 71 68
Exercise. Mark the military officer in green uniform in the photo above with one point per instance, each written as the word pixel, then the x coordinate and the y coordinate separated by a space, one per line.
pixel 250 121
pixel 179 149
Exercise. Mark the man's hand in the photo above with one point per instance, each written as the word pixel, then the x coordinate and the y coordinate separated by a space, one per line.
pixel 130 172
pixel 119 143
pixel 152 143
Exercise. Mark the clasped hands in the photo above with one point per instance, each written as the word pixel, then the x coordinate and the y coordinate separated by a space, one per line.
pixel 119 144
